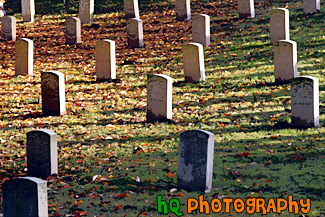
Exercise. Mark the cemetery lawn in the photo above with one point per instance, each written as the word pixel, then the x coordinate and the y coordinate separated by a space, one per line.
pixel 113 163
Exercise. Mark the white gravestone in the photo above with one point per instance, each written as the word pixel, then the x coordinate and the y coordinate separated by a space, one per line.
pixel 279 25
pixel 159 98
pixel 193 61
pixel 8 28
pixel 134 32
pixel 183 10
pixel 131 9
pixel 285 61
pixel 73 30
pixel 24 57
pixel 246 9
pixel 86 11
pixel 201 29
pixel 28 10
pixel 311 6
pixel 305 101
pixel 105 60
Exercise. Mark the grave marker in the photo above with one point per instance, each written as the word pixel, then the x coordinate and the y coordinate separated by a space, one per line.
pixel 42 153
pixel 8 28
pixel 305 101
pixel 134 32
pixel 183 10
pixel 201 29
pixel 105 60
pixel 195 160
pixel 279 25
pixel 246 9
pixel 28 10
pixel 131 8
pixel 159 98
pixel 53 93
pixel 24 57
pixel 86 11
pixel 73 30
pixel 193 61
pixel 311 6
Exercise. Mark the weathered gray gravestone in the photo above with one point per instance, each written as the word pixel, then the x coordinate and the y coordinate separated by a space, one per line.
pixel 285 61
pixel 183 10
pixel 42 153
pixel 24 57
pixel 201 29
pixel 28 10
pixel 131 8
pixel 159 98
pixel 279 25
pixel 73 30
pixel 246 9
pixel 311 6
pixel 134 32
pixel 8 28
pixel 305 101
pixel 25 197
pixel 105 60
pixel 195 160
pixel 53 93
pixel 86 11
pixel 193 61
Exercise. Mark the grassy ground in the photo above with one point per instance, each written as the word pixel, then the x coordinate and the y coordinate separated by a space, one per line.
pixel 112 163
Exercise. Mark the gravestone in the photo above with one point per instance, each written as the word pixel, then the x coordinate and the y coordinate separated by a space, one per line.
pixel 53 93
pixel 246 9
pixel 86 11
pixel 42 153
pixel 193 61
pixel 183 10
pixel 195 160
pixel 131 9
pixel 311 6
pixel 105 60
pixel 8 28
pixel 25 197
pixel 134 32
pixel 279 25
pixel 201 29
pixel 28 10
pixel 159 98
pixel 305 101
pixel 285 61
pixel 24 57
pixel 73 30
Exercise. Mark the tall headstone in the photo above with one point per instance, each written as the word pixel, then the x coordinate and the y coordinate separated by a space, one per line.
pixel 86 11
pixel 279 25
pixel 53 93
pixel 195 160
pixel 201 29
pixel 24 57
pixel 105 60
pixel 28 10
pixel 285 61
pixel 73 30
pixel 131 8
pixel 8 28
pixel 134 32
pixel 193 61
pixel 305 101
pixel 159 98
pixel 25 197
pixel 183 10
pixel 42 153
pixel 311 6
pixel 246 9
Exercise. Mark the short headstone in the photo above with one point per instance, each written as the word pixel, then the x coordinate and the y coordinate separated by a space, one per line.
pixel 131 8
pixel 105 60
pixel 73 30
pixel 53 93
pixel 201 29
pixel 8 28
pixel 25 197
pixel 195 160
pixel 24 57
pixel 285 61
pixel 305 101
pixel 134 32
pixel 159 98
pixel 86 11
pixel 42 153
pixel 246 9
pixel 28 10
pixel 193 61
pixel 311 6
pixel 279 25
pixel 183 10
